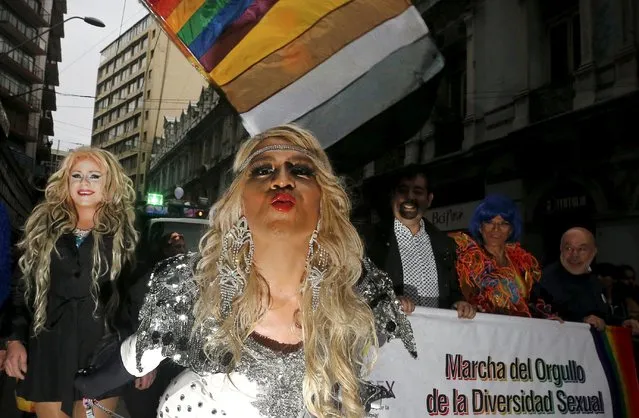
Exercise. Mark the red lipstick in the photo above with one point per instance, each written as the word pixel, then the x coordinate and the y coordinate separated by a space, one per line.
pixel 283 202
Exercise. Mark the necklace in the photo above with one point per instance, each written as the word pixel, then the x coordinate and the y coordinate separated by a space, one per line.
pixel 81 233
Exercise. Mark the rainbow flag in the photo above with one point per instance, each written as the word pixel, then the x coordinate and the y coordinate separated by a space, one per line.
pixel 327 65
pixel 614 347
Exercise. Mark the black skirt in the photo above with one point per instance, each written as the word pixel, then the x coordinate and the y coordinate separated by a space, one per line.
pixel 56 354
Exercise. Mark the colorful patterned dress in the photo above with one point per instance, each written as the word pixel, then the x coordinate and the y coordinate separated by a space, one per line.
pixel 499 289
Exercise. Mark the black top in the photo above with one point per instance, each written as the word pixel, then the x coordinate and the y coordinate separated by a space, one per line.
pixel 74 325
pixel 382 248
pixel 574 297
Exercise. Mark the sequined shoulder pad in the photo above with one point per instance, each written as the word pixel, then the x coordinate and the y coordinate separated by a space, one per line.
pixel 166 317
pixel 377 290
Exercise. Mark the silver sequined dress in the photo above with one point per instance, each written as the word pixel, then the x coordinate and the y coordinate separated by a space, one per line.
pixel 266 382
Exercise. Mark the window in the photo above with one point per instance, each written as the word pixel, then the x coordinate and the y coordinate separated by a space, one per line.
pixel 148 94
pixel 565 48
pixel 146 117
pixel 457 93
pixel 143 158
pixel 152 51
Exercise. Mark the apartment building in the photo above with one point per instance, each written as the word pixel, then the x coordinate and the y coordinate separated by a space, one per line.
pixel 142 79
pixel 30 32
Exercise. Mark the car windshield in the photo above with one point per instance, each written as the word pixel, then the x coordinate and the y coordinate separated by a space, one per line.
pixel 192 232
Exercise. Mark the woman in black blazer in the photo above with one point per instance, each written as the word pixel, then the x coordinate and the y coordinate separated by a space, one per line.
pixel 76 246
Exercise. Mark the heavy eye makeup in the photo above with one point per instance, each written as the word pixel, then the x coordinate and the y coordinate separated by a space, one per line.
pixel 91 177
pixel 296 169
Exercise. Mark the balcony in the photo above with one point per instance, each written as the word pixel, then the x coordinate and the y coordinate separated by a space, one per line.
pixel 48 98
pixel 54 49
pixel 28 133
pixel 127 153
pixel 20 63
pixel 551 100
pixel 57 16
pixel 119 138
pixel 131 171
pixel 46 125
pixel 21 33
pixel 57 31
pixel 51 74
pixel 60 5
pixel 116 85
pixel 18 94
pixel 32 12
pixel 23 160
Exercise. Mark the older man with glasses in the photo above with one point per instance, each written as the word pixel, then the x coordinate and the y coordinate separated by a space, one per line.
pixel 571 287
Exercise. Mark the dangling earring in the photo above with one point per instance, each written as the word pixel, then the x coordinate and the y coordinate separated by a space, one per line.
pixel 317 271
pixel 231 277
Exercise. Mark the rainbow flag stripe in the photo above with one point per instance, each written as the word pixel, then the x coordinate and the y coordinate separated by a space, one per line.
pixel 328 65
pixel 614 347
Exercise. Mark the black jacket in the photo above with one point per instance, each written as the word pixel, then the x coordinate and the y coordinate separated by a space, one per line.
pixel 382 248
pixel 70 267
pixel 574 297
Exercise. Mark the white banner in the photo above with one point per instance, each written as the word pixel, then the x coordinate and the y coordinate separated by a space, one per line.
pixel 492 365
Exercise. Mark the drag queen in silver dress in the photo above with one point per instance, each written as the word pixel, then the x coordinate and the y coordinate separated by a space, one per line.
pixel 278 315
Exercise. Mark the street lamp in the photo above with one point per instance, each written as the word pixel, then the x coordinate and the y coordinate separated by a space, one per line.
pixel 93 21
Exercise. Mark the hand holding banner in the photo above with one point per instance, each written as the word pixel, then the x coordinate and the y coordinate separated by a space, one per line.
pixel 499 365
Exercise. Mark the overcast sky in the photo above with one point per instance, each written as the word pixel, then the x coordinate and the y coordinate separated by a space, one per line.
pixel 81 48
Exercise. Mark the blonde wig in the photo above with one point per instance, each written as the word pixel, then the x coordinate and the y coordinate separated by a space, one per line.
pixel 56 215
pixel 337 335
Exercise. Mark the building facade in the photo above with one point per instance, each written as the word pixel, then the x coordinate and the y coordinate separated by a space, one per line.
pixel 55 160
pixel 537 101
pixel 30 32
pixel 197 150
pixel 142 78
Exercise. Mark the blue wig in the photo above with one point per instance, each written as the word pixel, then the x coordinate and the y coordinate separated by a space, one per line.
pixel 492 206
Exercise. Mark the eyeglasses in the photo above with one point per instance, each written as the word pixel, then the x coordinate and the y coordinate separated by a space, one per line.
pixel 502 226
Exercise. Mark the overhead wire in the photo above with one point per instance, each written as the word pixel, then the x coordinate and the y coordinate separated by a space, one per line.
pixel 100 42
pixel 74 125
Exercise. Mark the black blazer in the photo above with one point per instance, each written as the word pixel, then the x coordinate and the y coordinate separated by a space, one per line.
pixel 382 248
pixel 70 271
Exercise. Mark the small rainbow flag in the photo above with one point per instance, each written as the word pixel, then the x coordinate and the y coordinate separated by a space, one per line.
pixel 614 347
pixel 327 65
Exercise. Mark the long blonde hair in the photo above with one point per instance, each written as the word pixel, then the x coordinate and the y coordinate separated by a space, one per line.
pixel 56 215
pixel 337 334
